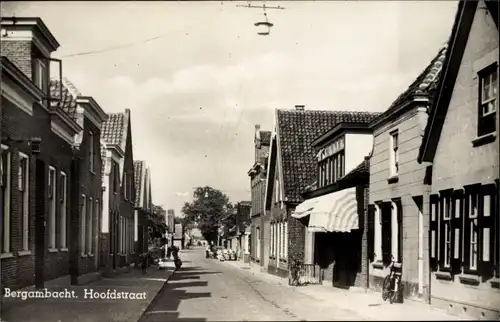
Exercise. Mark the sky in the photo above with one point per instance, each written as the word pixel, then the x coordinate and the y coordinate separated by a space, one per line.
pixel 197 77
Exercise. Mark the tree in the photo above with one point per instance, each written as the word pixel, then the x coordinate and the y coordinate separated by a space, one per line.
pixel 157 225
pixel 207 211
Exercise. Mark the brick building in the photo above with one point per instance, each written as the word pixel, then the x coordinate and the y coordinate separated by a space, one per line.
pixel 257 174
pixel 35 224
pixel 117 229
pixel 143 206
pixel 461 148
pixel 334 212
pixel 397 189
pixel 291 166
pixel 86 174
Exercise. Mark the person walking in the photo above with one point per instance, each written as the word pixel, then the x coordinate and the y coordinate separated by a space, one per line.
pixel 207 251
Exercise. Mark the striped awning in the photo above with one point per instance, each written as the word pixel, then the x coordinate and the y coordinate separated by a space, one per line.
pixel 334 212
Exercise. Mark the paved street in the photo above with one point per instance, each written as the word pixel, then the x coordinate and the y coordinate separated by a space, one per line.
pixel 208 290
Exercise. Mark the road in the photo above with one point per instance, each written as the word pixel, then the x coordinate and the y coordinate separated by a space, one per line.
pixel 209 290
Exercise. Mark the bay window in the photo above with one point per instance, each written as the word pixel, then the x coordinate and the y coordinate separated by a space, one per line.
pixel 331 168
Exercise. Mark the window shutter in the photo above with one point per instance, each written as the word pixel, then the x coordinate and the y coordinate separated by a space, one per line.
pixel 442 237
pixel 371 232
pixel 433 234
pixel 456 231
pixel 486 229
pixel 386 233
pixel 400 231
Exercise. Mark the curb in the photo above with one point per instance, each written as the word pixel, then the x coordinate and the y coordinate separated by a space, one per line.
pixel 156 298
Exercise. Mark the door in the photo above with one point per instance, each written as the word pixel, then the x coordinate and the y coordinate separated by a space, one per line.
pixel 40 185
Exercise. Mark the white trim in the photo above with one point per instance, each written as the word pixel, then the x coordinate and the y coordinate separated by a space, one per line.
pixel 64 212
pixel 62 133
pixel 89 227
pixel 377 232
pixel 83 221
pixel 25 199
pixel 10 93
pixel 6 249
pixel 52 212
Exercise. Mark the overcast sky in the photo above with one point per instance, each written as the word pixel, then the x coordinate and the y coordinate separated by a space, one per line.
pixel 197 77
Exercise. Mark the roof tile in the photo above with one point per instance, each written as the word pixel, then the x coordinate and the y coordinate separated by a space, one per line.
pixel 112 130
pixel 138 173
pixel 67 102
pixel 297 130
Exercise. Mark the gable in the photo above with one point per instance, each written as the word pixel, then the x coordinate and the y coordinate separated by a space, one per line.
pixel 467 13
pixel 271 174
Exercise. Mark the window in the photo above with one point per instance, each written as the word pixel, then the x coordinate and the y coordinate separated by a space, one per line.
pixel 272 240
pixel 488 94
pixel 331 169
pixel 394 154
pixel 91 151
pixel 277 192
pixel 52 207
pixel 63 213
pixel 83 221
pixel 387 233
pixel 40 75
pixel 433 227
pixel 445 231
pixel 89 226
pixel 286 240
pixel 23 184
pixel 6 196
pixel 377 225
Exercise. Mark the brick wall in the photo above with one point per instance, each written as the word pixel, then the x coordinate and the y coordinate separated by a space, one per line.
pixel 127 207
pixel 362 276
pixel 296 237
pixel 19 53
pixel 18 271
pixel 91 187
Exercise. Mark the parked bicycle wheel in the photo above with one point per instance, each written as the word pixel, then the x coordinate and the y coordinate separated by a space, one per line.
pixel 386 288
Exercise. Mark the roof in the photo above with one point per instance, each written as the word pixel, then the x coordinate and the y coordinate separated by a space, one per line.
pixel 296 130
pixel 423 85
pixel 67 102
pixel 452 62
pixel 113 128
pixel 265 137
pixel 139 171
pixel 103 157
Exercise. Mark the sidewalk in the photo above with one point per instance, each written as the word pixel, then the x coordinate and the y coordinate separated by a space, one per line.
pixel 368 304
pixel 79 307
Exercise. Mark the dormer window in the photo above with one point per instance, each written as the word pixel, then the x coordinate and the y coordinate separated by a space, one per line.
pixel 40 74
pixel 331 169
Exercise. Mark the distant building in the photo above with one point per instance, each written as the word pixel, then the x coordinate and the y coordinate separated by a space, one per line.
pixel 170 220
pixel 178 236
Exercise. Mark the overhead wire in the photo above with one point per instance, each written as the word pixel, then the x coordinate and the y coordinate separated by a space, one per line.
pixel 138 42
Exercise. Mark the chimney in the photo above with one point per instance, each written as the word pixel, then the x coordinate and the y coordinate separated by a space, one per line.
pixel 299 107
pixel 257 127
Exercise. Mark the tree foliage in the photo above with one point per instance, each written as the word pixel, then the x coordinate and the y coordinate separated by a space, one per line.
pixel 157 225
pixel 209 209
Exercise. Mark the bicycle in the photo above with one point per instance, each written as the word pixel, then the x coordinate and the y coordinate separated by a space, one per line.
pixel 392 282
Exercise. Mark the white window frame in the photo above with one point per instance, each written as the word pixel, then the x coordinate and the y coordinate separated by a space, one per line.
pixel 83 221
pixel 24 194
pixel 279 241
pixel 286 240
pixel 64 211
pixel 6 249
pixel 41 75
pixel 474 231
pixel 394 230
pixel 91 152
pixel 89 226
pixel 377 232
pixel 394 143
pixel 486 230
pixel 446 221
pixel 492 96
pixel 52 184
pixel 278 194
